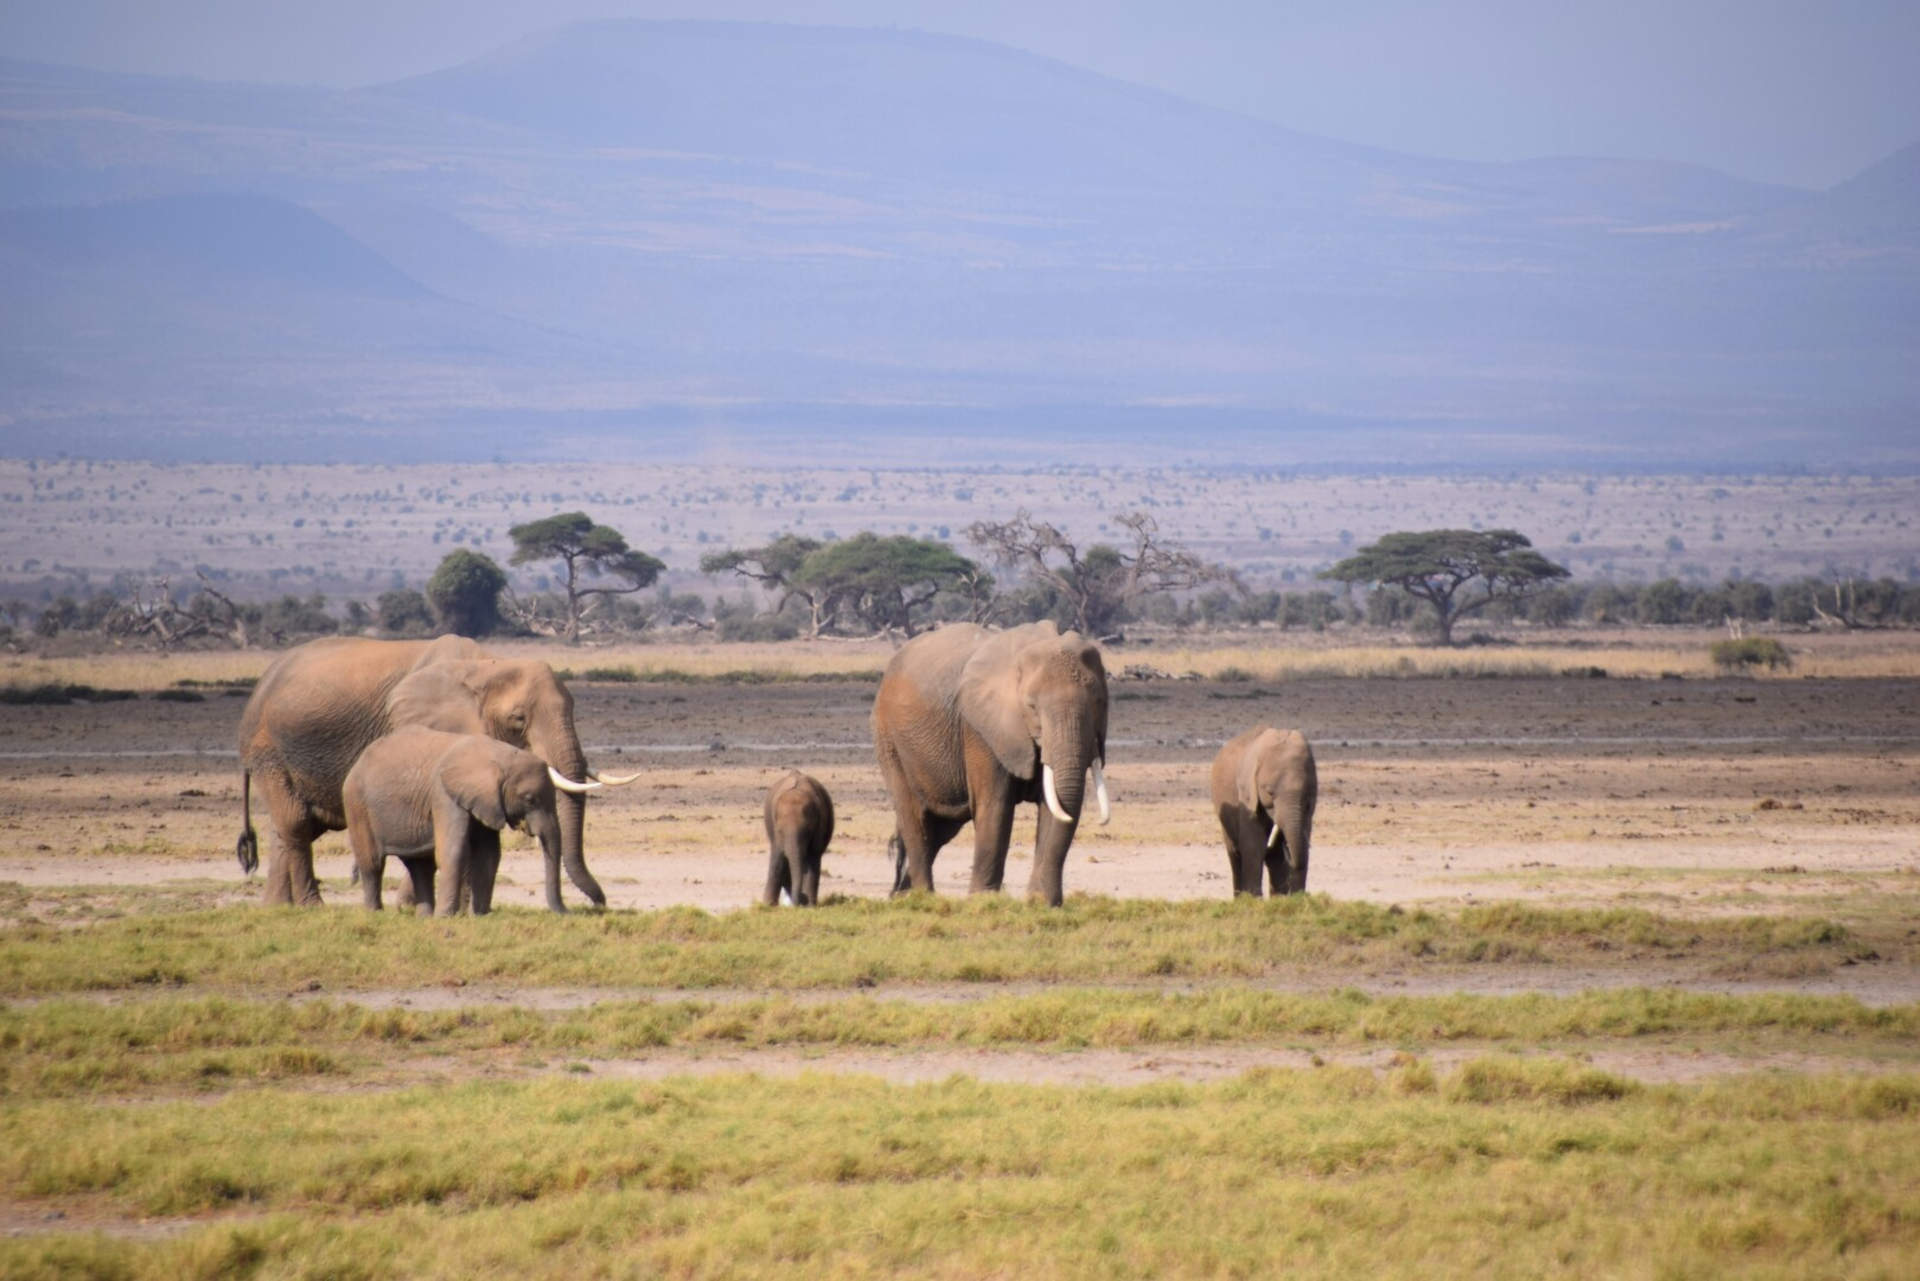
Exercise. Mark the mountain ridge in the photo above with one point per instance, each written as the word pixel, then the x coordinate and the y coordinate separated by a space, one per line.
pixel 1048 250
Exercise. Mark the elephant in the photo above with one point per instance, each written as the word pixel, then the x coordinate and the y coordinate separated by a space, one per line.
pixel 437 802
pixel 799 816
pixel 321 704
pixel 968 723
pixel 1264 789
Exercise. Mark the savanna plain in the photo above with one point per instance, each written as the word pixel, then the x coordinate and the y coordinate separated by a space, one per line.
pixel 1598 976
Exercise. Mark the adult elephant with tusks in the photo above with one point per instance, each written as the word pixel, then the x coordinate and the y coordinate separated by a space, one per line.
pixel 969 723
pixel 321 704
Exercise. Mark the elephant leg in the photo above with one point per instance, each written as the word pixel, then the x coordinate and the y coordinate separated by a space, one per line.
pixel 1278 857
pixel 1051 841
pixel 1253 852
pixel 992 833
pixel 1230 829
pixel 369 861
pixel 419 888
pixel 778 877
pixel 452 843
pixel 289 878
pixel 808 893
pixel 483 866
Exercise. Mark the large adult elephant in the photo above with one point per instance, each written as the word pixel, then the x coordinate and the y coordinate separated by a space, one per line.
pixel 320 704
pixel 969 723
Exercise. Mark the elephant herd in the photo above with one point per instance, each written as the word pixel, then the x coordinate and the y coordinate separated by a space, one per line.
pixel 425 750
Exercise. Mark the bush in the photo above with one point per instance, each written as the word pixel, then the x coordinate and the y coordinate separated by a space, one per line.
pixel 404 612
pixel 56 694
pixel 616 675
pixel 1750 652
pixel 771 627
pixel 465 593
pixel 179 696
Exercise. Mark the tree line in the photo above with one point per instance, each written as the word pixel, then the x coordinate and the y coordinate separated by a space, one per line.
pixel 872 584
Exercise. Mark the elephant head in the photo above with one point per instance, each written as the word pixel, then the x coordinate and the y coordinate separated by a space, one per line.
pixel 516 702
pixel 1038 699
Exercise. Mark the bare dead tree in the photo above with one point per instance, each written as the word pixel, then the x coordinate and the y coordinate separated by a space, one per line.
pixel 152 612
pixel 1098 585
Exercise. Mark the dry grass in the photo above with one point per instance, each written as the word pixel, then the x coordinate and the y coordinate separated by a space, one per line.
pixel 79 1049
pixel 1625 653
pixel 920 938
pixel 1504 1169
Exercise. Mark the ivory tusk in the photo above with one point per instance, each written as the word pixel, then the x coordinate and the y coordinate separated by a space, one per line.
pixel 615 780
pixel 566 784
pixel 1273 837
pixel 1053 797
pixel 1100 792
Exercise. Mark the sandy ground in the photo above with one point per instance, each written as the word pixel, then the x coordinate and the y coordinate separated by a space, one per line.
pixel 1714 795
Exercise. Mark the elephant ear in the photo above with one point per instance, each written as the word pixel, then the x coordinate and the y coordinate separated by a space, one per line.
pixel 1246 779
pixel 441 696
pixel 990 703
pixel 471 778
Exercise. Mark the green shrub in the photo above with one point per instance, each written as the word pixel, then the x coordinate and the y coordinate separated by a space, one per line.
pixel 179 696
pixel 55 693
pixel 1750 652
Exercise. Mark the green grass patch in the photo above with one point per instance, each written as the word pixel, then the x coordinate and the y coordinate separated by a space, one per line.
pixel 919 938
pixel 1504 1170
pixel 63 1048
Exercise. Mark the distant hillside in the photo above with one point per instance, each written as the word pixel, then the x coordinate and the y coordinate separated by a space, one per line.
pixel 617 230
pixel 235 238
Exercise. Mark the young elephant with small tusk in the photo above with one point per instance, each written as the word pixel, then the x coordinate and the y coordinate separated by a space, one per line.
pixel 799 817
pixel 1264 789
pixel 438 801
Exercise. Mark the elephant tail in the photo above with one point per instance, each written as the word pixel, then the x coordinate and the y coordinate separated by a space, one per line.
pixel 247 848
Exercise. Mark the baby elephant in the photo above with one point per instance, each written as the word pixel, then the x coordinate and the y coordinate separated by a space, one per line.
pixel 1264 787
pixel 437 801
pixel 799 824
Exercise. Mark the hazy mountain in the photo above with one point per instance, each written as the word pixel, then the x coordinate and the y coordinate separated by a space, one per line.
pixel 888 236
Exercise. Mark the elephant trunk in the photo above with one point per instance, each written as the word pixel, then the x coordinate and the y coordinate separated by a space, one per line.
pixel 561 748
pixel 1296 819
pixel 545 826
pixel 1065 755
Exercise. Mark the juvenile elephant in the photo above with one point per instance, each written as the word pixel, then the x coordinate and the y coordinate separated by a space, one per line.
pixel 799 816
pixel 438 802
pixel 969 723
pixel 1264 789
pixel 321 704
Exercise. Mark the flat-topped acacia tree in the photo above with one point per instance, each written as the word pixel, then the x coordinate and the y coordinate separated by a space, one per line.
pixel 585 548
pixel 1438 565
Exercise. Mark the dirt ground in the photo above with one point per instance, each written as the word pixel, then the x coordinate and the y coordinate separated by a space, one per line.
pixel 1712 795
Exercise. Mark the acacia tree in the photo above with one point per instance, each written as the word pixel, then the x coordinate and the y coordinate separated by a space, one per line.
pixel 1100 584
pixel 885 583
pixel 584 548
pixel 1438 565
pixel 775 566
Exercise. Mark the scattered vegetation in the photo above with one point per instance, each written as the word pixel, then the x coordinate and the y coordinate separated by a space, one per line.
pixel 55 693
pixel 1748 652
pixel 917 939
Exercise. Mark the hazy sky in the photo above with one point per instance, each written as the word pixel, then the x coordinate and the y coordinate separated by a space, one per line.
pixel 1798 91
